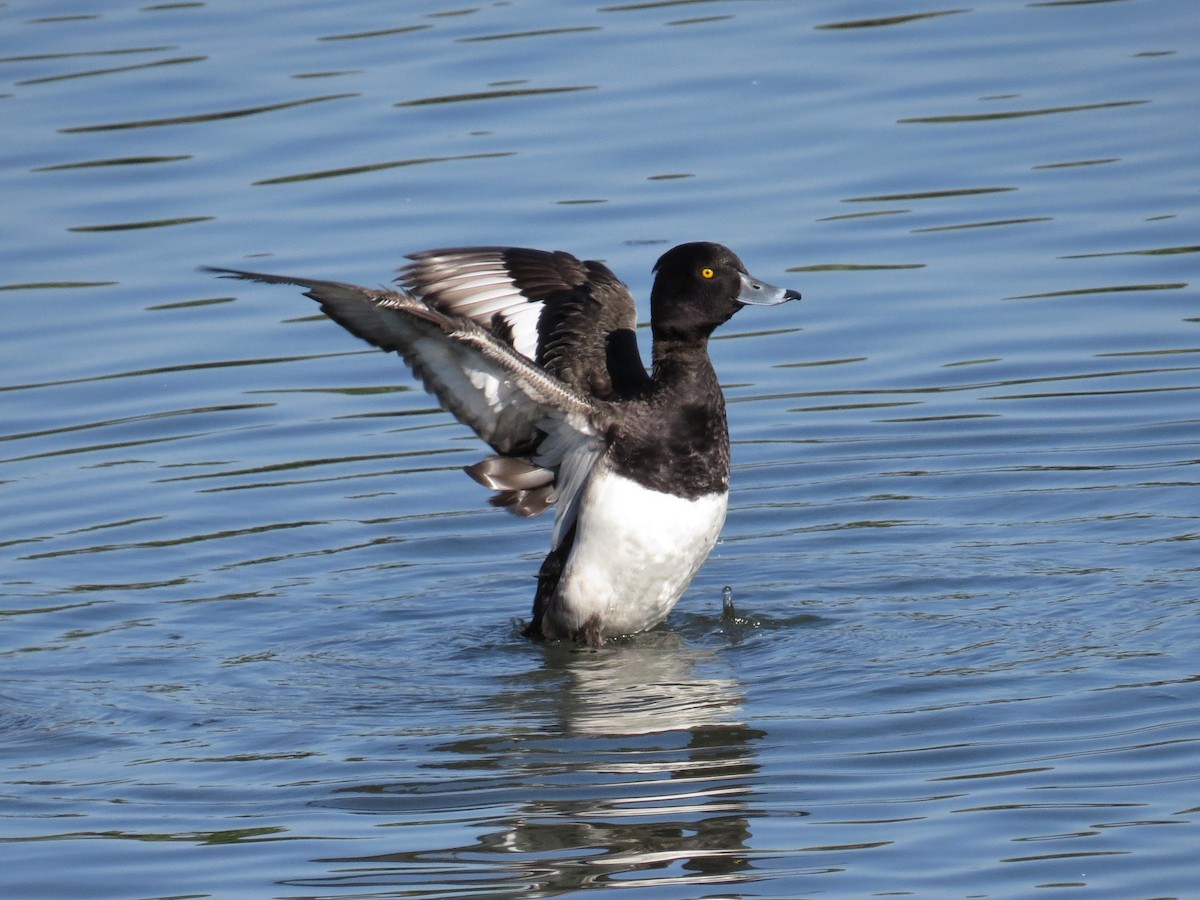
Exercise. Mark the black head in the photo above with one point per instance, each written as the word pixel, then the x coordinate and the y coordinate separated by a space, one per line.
pixel 701 285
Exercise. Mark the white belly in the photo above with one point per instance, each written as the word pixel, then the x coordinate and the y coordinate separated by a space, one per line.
pixel 635 553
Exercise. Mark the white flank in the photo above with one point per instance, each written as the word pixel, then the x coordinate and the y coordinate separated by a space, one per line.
pixel 636 550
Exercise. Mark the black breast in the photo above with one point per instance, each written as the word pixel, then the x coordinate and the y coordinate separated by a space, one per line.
pixel 674 445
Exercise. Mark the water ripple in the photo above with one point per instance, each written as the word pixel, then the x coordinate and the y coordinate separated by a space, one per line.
pixel 198 118
pixel 1019 113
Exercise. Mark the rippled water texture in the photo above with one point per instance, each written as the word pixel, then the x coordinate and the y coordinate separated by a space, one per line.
pixel 258 633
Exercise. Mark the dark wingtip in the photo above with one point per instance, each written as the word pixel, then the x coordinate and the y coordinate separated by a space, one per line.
pixel 222 272
pixel 261 277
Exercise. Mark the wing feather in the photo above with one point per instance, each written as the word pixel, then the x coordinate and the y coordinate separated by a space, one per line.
pixel 488 386
pixel 512 403
pixel 573 318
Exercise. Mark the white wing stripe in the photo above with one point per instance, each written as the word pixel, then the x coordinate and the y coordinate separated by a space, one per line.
pixel 487 303
pixel 524 325
pixel 472 280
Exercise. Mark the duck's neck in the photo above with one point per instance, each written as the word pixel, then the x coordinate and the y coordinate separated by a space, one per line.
pixel 682 364
pixel 674 439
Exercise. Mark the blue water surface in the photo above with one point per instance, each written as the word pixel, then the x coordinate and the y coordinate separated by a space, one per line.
pixel 259 636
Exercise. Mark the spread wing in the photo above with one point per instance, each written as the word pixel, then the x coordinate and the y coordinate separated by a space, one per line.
pixel 574 318
pixel 516 406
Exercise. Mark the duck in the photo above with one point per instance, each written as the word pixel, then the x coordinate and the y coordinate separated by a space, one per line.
pixel 536 351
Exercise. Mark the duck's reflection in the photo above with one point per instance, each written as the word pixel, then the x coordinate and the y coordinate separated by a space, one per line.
pixel 651 685
pixel 644 777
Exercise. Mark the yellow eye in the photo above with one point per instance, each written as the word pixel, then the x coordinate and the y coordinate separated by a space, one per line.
pixel 706 273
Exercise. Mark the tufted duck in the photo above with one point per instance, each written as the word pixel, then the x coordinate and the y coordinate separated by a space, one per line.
pixel 536 352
